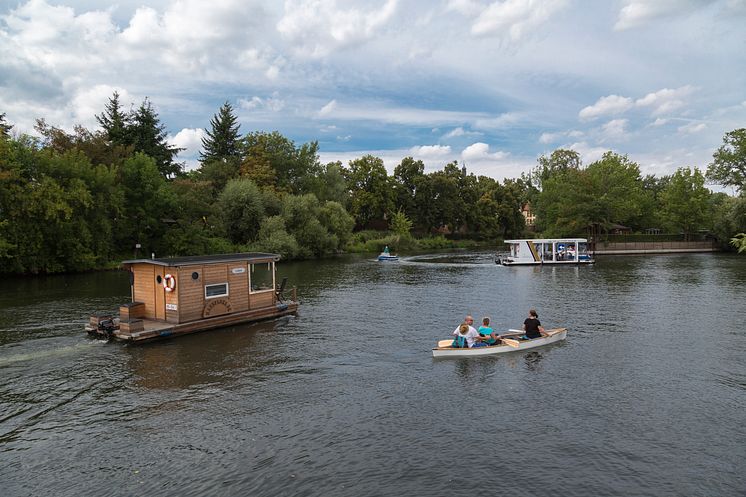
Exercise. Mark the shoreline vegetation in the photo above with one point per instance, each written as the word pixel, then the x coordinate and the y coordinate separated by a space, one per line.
pixel 87 199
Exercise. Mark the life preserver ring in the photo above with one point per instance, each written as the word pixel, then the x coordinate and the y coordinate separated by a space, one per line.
pixel 169 283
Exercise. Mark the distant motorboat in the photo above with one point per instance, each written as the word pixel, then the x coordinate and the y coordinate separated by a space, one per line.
pixel 385 256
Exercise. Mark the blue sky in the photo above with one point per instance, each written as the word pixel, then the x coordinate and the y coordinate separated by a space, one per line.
pixel 492 84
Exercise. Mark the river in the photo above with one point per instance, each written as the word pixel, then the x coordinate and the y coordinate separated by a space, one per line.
pixel 647 396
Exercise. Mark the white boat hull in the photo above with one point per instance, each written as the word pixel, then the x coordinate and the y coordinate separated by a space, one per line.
pixel 388 257
pixel 555 335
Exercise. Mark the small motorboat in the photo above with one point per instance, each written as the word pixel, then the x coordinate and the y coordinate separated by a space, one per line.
pixel 444 348
pixel 387 257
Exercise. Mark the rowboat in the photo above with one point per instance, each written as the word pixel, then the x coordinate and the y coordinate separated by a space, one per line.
pixel 444 348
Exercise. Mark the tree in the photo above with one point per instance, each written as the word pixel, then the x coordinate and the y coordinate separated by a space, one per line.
pixel 400 223
pixel 272 160
pixel 115 122
pixel 739 241
pixel 242 210
pixel 407 176
pixel 148 136
pixel 685 200
pixel 558 162
pixel 4 126
pixel 728 167
pixel 370 195
pixel 222 140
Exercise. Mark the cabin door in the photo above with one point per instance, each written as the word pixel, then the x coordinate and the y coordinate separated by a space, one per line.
pixel 160 294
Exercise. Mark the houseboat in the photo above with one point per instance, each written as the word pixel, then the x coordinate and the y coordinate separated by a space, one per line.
pixel 183 295
pixel 546 251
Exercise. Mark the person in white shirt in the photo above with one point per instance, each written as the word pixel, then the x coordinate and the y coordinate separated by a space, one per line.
pixel 468 333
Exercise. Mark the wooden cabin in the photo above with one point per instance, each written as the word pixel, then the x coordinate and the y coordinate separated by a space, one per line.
pixel 187 294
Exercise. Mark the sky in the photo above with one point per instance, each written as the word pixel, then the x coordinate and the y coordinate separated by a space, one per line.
pixel 491 84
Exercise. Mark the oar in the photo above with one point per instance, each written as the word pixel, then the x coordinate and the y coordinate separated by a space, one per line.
pixel 507 341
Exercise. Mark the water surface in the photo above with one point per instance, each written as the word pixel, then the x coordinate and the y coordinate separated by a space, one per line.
pixel 645 397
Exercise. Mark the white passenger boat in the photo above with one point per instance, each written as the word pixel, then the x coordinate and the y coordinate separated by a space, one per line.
pixel 444 348
pixel 546 251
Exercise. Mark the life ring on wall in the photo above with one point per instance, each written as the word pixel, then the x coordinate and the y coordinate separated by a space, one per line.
pixel 169 283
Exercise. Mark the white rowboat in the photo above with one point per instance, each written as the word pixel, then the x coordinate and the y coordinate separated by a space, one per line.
pixel 554 335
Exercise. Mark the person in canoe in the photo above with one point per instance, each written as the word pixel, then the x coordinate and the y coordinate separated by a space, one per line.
pixel 532 326
pixel 466 335
pixel 488 333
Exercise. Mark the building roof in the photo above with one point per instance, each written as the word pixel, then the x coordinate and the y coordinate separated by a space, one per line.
pixel 206 259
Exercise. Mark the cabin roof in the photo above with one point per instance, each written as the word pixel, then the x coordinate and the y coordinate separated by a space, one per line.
pixel 205 259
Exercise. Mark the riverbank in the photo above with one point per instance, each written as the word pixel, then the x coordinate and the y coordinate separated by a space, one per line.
pixel 641 248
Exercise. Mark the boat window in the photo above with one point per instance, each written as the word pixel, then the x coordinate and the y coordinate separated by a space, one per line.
pixel 261 277
pixel 212 291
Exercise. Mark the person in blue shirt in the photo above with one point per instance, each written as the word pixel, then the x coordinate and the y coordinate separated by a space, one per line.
pixel 488 333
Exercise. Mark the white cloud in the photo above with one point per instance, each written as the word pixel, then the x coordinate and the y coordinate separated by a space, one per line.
pixel 480 151
pixel 316 27
pixel 546 138
pixel 460 131
pixel 666 100
pixel 328 108
pixel 659 122
pixel 609 105
pixel 513 18
pixel 692 128
pixel 587 153
pixel 188 139
pixel 615 129
pixel 430 151
pixel 273 103
pixel 639 12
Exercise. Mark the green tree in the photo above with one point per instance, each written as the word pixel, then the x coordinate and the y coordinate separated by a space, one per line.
pixel 407 177
pixel 242 210
pixel 558 162
pixel 301 214
pixel 739 241
pixel 222 140
pixel 148 202
pixel 400 224
pixel 728 167
pixel 115 122
pixel 148 135
pixel 274 238
pixel 330 184
pixel 685 201
pixel 272 160
pixel 370 194
pixel 337 221
pixel 4 126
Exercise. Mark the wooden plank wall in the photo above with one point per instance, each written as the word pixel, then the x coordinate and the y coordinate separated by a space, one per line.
pixel 191 293
pixel 262 299
pixel 160 292
pixel 144 291
pixel 238 287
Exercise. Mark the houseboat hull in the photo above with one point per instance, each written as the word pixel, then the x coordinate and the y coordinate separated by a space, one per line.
pixel 555 335
pixel 158 330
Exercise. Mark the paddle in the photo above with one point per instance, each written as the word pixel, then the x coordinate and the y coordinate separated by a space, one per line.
pixel 507 341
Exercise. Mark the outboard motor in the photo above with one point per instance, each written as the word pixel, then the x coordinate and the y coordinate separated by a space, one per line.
pixel 107 327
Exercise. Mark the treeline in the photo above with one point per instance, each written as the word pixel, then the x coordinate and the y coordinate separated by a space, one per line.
pixel 87 199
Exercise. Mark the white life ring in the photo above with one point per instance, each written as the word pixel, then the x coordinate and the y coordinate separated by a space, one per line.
pixel 169 283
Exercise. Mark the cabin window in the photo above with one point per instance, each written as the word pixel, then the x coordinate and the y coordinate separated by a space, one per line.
pixel 212 291
pixel 261 277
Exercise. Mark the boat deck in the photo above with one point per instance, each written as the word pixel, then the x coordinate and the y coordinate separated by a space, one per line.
pixel 151 329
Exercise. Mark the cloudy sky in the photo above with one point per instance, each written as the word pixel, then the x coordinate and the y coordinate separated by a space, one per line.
pixel 493 84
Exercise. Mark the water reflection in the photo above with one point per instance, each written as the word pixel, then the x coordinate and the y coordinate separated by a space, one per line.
pixel 215 356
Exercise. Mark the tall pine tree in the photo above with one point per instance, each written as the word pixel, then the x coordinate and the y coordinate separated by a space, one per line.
pixel 221 142
pixel 115 122
pixel 148 136
pixel 4 126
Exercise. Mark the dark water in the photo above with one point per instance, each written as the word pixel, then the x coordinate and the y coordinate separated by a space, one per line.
pixel 646 397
